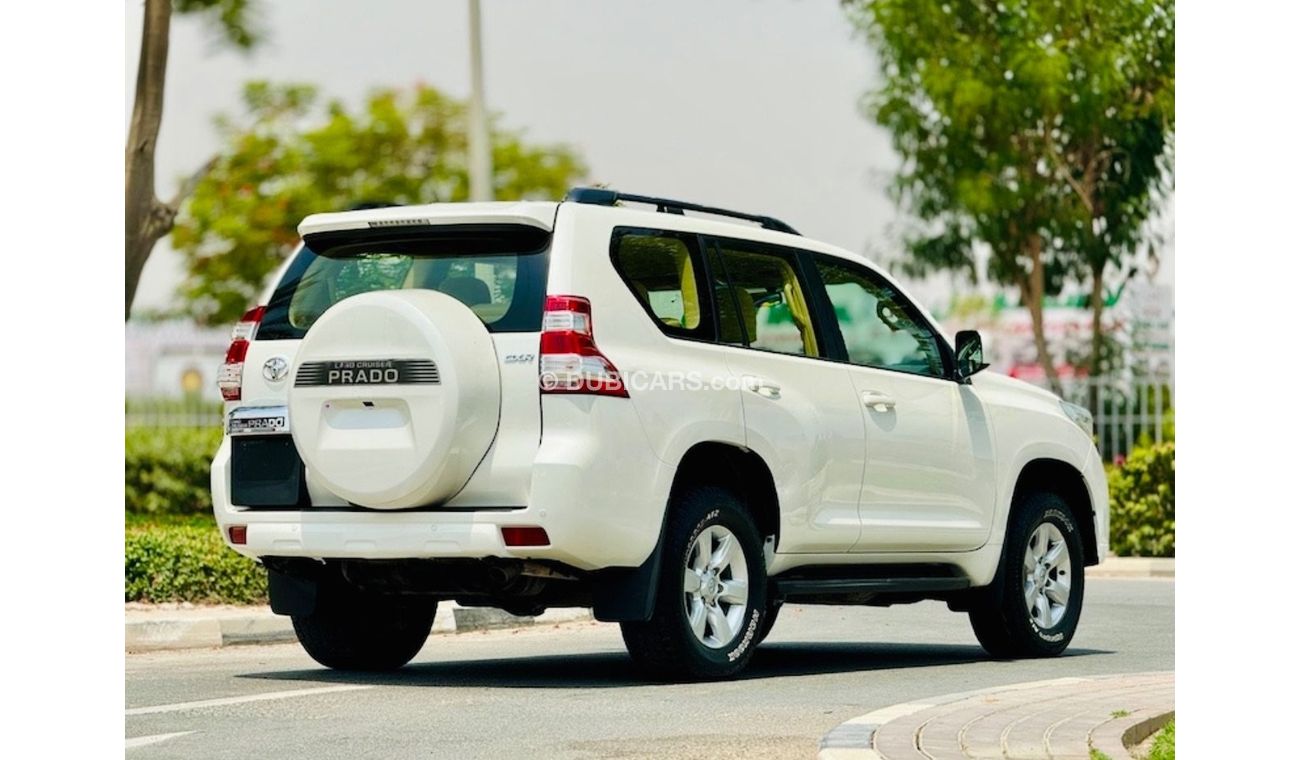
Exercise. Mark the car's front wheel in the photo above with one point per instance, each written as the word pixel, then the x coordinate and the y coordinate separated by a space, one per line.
pixel 1032 608
pixel 366 631
pixel 773 610
pixel 711 601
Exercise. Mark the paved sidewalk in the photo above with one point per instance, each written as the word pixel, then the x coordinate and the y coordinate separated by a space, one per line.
pixel 1133 567
pixel 1062 719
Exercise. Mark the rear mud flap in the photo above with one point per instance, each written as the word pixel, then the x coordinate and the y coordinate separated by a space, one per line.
pixel 291 594
pixel 626 594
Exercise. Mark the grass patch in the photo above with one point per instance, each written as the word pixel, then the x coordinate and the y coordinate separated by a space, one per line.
pixel 1163 747
pixel 1096 754
pixel 1119 714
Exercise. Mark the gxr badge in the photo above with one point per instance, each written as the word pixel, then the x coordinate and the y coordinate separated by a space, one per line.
pixel 275 369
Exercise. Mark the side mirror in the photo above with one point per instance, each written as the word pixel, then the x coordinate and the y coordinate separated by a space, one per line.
pixel 970 354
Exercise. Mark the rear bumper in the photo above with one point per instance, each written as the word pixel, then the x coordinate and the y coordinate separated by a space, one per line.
pixel 387 536
pixel 412 535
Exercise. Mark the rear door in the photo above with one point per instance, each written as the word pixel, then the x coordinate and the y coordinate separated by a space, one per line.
pixel 498 270
pixel 801 411
pixel 929 482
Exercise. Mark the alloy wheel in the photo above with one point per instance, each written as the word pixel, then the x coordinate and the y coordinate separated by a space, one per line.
pixel 1047 575
pixel 716 587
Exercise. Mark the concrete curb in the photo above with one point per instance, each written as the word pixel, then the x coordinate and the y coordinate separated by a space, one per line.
pixel 854 739
pixel 199 628
pixel 851 740
pixel 1133 567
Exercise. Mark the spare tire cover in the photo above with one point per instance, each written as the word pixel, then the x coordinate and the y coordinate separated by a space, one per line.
pixel 396 398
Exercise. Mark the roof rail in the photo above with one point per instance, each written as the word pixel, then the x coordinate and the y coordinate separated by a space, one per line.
pixel 600 196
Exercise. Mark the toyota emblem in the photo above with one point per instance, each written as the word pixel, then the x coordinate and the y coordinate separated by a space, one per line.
pixel 275 369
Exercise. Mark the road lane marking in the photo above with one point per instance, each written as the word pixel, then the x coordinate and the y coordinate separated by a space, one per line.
pixel 179 706
pixel 144 741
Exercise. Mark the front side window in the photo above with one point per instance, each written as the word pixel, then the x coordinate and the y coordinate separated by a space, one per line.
pixel 765 302
pixel 880 327
pixel 663 272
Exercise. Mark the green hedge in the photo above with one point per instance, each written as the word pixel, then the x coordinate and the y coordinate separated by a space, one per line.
pixel 1142 503
pixel 185 560
pixel 167 469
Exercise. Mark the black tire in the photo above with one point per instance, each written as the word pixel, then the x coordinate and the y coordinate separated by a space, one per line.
pixel 769 620
pixel 1000 615
pixel 665 647
pixel 366 632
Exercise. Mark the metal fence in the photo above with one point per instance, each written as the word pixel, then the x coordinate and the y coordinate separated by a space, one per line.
pixel 1126 411
pixel 173 413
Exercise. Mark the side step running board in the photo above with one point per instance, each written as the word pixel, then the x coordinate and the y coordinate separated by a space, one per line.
pixel 819 586
pixel 853 585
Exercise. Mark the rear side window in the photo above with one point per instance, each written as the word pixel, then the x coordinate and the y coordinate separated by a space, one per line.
pixel 499 272
pixel 663 270
pixel 767 302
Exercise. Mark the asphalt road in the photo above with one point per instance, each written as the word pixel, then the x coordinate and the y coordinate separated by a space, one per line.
pixel 570 691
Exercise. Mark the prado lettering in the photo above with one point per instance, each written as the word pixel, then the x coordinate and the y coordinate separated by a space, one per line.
pixel 361 376
pixel 370 372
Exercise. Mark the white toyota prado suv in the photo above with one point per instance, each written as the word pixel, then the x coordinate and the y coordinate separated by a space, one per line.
pixel 680 421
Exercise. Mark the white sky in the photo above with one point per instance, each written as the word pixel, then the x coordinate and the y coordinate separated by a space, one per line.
pixel 751 104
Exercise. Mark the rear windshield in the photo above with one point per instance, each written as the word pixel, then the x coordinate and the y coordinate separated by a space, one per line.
pixel 499 272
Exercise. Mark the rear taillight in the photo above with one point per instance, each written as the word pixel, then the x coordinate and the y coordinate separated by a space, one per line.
pixel 569 360
pixel 230 377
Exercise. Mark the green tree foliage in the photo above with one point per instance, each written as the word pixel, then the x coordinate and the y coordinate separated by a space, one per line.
pixel 1040 129
pixel 289 158
pixel 233 22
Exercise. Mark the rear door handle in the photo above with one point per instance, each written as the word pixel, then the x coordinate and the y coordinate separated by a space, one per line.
pixel 763 387
pixel 878 401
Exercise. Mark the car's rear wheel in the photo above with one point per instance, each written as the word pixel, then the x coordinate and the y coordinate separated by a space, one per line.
pixel 711 599
pixel 366 631
pixel 1032 608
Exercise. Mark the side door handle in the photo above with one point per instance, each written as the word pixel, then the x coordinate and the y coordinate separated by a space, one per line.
pixel 878 401
pixel 761 386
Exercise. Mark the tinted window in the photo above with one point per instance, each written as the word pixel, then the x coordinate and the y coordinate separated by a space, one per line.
pixel 880 327
pixel 499 273
pixel 765 300
pixel 663 271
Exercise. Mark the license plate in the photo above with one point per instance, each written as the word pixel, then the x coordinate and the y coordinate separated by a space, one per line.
pixel 258 420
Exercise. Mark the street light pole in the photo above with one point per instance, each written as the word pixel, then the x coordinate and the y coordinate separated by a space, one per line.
pixel 480 142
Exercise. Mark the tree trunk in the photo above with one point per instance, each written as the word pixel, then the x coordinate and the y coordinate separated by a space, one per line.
pixel 1098 338
pixel 1032 290
pixel 147 218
